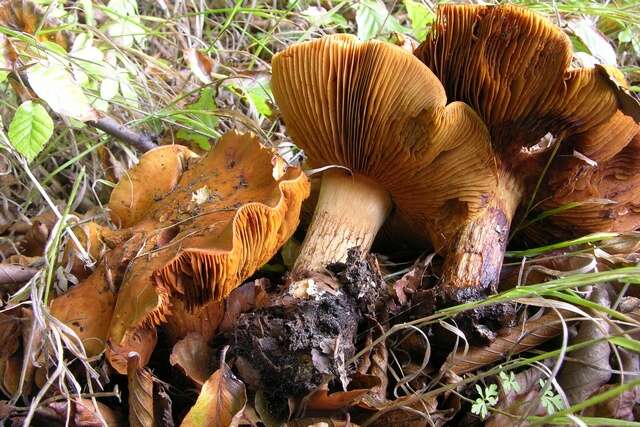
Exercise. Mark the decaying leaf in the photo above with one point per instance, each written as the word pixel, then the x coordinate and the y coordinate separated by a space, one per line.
pixel 221 401
pixel 140 393
pixel 25 15
pixel 76 412
pixel 319 422
pixel 194 357
pixel 200 64
pixel 510 340
pixel 360 386
pixel 243 299
pixel 620 407
pixel 517 403
pixel 374 363
pixel 87 309
pixel 589 367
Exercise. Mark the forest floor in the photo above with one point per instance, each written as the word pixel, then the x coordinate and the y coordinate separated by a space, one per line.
pixel 177 71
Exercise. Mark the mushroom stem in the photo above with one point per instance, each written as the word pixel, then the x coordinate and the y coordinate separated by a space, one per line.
pixel 350 211
pixel 474 259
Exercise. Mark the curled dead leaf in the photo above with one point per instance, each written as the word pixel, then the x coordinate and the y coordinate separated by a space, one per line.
pixel 193 356
pixel 140 393
pixel 221 401
pixel 510 340
pixel 360 386
pixel 87 309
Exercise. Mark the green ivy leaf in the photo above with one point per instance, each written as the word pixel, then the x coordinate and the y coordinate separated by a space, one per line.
pixel 30 129
pixel 373 18
pixel 420 16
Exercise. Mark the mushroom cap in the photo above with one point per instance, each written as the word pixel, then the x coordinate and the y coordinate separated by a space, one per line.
pixel 375 109
pixel 227 214
pixel 514 68
pixel 87 309
pixel 155 176
pixel 605 191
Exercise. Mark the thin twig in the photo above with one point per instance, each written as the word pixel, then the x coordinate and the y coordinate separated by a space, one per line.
pixel 110 126
pixel 140 141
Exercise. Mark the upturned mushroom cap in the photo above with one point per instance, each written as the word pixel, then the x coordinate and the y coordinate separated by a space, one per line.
pixel 603 186
pixel 513 67
pixel 155 176
pixel 374 109
pixel 228 214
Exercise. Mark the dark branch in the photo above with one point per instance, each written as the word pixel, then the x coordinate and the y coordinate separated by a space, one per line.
pixel 109 126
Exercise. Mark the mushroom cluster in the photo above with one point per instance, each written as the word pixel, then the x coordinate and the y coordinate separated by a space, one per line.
pixel 378 119
pixel 514 68
pixel 444 143
pixel 378 123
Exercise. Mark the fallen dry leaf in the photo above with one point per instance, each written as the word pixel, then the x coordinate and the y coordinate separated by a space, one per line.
pixel 200 64
pixel 588 367
pixel 375 364
pixel 319 422
pixel 510 341
pixel 525 401
pixel 76 413
pixel 619 407
pixel 87 309
pixel 221 401
pixel 193 356
pixel 140 393
pixel 360 386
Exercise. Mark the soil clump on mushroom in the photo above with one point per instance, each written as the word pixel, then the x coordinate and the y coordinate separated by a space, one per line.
pixel 309 333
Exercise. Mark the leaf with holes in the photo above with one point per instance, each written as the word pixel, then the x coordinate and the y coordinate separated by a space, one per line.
pixel 55 85
pixel 30 129
pixel 221 401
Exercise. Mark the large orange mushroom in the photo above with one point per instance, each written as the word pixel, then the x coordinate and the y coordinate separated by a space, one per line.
pixel 514 68
pixel 593 184
pixel 194 230
pixel 378 120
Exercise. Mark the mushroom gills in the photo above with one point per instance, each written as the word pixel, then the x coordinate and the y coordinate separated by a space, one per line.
pixel 350 211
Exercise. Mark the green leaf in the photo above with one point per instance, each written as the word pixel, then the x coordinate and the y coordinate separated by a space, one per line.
pixel 373 18
pixel 200 119
pixel 55 85
pixel 420 16
pixel 628 343
pixel 625 36
pixel 509 382
pixel 30 129
pixel 258 96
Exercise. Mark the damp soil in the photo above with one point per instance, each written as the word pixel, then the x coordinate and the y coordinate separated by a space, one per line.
pixel 289 349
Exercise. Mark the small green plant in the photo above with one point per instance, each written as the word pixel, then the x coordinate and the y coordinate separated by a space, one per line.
pixel 551 401
pixel 509 382
pixel 488 398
